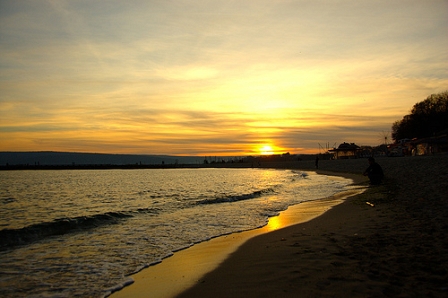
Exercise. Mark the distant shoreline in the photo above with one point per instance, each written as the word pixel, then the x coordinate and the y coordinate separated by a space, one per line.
pixel 123 167
pixel 72 160
pixel 96 167
pixel 338 165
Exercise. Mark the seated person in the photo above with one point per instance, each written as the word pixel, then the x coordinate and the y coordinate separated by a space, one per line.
pixel 374 172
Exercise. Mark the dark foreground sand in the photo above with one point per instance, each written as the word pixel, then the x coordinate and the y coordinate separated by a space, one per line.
pixel 395 246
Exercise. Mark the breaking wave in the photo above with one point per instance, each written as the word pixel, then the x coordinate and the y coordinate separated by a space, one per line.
pixel 26 235
pixel 237 198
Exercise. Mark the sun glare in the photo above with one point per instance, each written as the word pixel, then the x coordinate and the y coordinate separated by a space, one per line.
pixel 266 150
pixel 274 223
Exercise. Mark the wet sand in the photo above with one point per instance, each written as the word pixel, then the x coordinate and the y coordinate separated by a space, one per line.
pixel 389 241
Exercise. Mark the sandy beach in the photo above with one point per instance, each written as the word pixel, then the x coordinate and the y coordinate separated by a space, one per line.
pixel 389 241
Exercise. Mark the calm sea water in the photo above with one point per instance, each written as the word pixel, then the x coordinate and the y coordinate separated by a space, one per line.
pixel 82 233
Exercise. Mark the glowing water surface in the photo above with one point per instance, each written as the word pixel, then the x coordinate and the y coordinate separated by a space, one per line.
pixel 68 233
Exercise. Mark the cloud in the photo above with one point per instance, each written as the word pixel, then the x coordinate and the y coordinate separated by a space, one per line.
pixel 179 77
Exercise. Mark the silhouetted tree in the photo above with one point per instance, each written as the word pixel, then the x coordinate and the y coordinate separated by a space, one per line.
pixel 427 118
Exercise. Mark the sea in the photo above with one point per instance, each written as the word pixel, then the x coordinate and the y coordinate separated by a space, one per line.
pixel 83 233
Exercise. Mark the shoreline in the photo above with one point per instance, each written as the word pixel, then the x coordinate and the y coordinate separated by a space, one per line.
pixel 394 246
pixel 181 271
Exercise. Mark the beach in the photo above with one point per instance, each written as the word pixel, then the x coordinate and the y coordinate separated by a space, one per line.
pixel 389 241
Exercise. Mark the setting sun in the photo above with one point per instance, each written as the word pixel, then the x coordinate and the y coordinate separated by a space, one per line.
pixel 266 150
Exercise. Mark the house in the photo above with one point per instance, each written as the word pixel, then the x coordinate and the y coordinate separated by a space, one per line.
pixel 346 151
pixel 431 145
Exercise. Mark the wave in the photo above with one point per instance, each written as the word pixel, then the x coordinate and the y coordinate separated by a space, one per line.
pixel 29 234
pixel 236 198
pixel 300 173
pixel 7 200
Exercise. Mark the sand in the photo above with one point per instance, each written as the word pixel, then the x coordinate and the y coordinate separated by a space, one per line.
pixel 389 241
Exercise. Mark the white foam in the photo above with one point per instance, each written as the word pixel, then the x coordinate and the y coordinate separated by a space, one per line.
pixel 128 281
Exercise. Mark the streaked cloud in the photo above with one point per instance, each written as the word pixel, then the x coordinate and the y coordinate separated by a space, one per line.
pixel 181 77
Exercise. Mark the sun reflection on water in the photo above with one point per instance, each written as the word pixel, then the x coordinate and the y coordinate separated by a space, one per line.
pixel 274 223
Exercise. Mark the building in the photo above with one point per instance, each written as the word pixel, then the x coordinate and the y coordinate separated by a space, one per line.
pixel 346 151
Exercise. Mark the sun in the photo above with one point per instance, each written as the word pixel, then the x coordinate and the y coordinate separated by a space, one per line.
pixel 266 150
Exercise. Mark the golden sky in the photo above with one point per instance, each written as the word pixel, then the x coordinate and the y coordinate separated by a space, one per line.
pixel 214 77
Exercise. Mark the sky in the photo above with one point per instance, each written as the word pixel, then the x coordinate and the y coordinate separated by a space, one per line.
pixel 214 78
